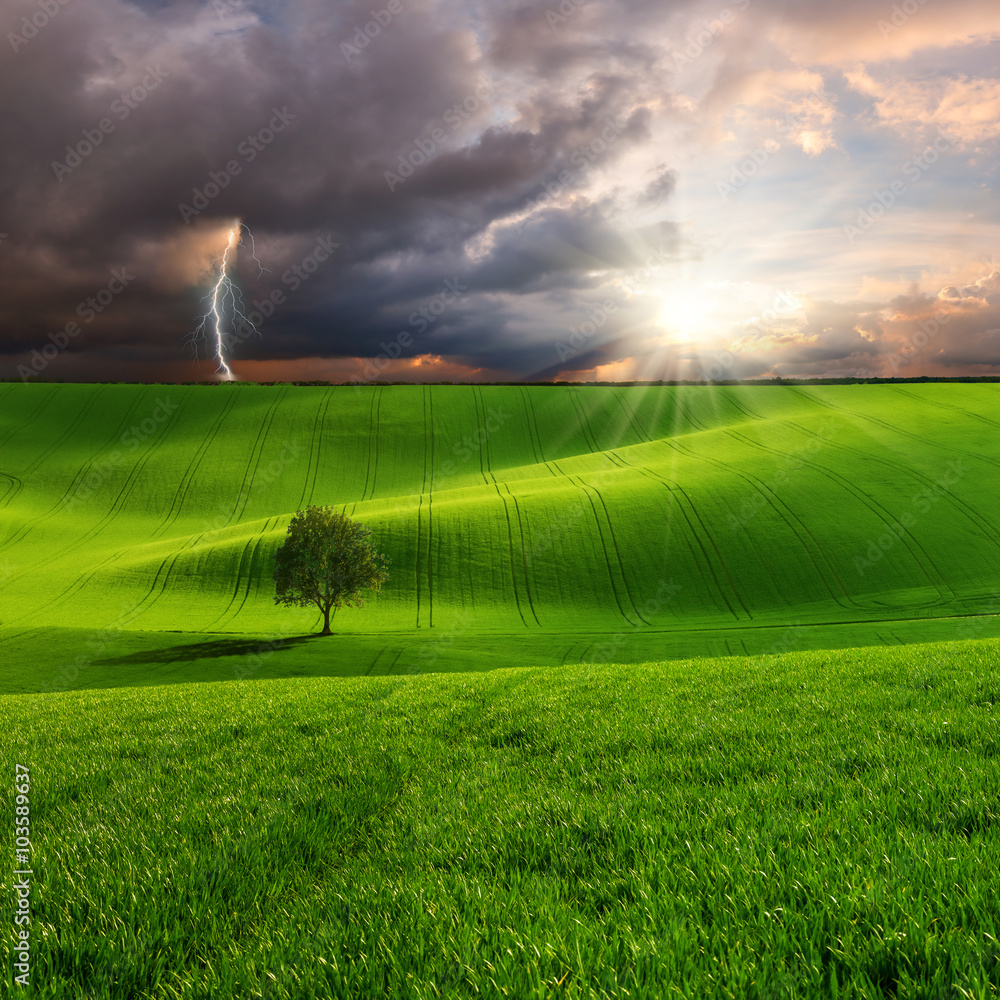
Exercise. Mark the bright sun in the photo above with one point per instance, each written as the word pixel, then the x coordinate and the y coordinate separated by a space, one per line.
pixel 684 311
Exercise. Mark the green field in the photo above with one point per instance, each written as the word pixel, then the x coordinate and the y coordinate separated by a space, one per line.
pixel 526 525
pixel 807 825
pixel 743 744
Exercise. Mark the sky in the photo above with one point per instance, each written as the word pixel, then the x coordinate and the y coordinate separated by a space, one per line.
pixel 496 191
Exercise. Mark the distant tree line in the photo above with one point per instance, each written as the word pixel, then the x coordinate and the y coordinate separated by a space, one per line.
pixel 744 381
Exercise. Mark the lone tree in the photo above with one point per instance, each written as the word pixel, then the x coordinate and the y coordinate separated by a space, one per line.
pixel 327 560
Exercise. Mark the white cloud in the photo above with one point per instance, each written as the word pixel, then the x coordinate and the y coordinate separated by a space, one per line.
pixel 968 109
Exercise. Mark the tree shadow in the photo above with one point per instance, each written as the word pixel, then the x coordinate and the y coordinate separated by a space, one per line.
pixel 207 650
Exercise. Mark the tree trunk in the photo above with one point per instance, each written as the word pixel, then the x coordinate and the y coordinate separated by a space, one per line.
pixel 326 622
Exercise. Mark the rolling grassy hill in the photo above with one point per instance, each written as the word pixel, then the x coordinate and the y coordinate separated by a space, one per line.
pixel 526 525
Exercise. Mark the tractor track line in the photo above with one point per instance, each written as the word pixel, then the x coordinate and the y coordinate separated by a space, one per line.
pixel 74 485
pixel 787 516
pixel 43 404
pixel 95 529
pixel 429 436
pixel 477 399
pixel 255 458
pixel 524 554
pixel 618 554
pixel 314 445
pixel 582 486
pixel 180 494
pixel 697 536
pixel 530 424
pixel 957 502
pixel 870 503
pixel 127 487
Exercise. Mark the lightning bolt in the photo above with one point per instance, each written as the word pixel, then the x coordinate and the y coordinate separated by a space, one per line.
pixel 225 297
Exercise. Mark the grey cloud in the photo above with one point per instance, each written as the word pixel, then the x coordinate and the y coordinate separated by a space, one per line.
pixel 344 121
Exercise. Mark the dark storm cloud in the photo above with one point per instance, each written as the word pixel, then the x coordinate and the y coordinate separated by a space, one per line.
pixel 140 131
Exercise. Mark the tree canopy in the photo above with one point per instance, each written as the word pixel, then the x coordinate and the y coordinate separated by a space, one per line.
pixel 327 560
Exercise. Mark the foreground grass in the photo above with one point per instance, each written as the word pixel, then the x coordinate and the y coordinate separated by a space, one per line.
pixel 820 824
